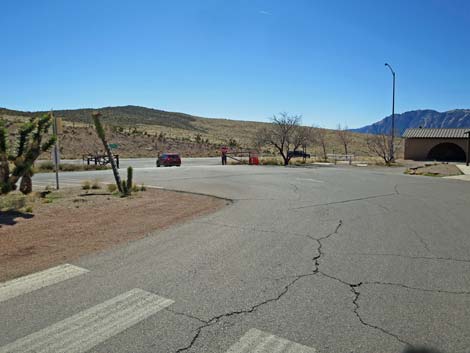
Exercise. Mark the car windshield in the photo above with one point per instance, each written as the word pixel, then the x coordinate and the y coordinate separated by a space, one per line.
pixel 235 176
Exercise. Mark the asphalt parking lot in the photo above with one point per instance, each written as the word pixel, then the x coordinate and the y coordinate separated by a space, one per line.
pixel 332 259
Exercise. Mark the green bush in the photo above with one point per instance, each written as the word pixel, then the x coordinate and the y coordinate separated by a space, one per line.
pixel 12 202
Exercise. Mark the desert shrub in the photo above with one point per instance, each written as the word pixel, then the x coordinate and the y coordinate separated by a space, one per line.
pixel 95 185
pixel 69 167
pixel 48 166
pixel 271 161
pixel 143 187
pixel 111 188
pixel 45 166
pixel 135 188
pixel 86 185
pixel 12 202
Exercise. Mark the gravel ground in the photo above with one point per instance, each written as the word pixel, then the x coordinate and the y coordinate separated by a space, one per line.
pixel 72 225
pixel 438 169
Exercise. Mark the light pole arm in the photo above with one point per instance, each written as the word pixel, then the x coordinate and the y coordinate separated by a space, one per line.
pixel 388 65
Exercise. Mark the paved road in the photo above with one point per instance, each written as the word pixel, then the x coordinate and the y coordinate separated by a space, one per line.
pixel 329 259
pixel 150 162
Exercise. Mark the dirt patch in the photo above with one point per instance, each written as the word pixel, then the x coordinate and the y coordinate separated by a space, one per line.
pixel 435 169
pixel 71 226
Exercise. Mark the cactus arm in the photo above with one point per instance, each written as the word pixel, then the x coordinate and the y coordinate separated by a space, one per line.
pixel 102 136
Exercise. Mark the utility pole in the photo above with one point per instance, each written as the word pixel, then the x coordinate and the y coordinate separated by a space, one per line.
pixel 392 132
pixel 55 156
pixel 468 147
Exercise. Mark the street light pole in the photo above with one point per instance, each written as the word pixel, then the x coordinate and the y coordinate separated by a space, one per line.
pixel 468 148
pixel 392 133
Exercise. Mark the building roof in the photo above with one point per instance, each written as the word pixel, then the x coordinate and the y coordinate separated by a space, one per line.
pixel 421 133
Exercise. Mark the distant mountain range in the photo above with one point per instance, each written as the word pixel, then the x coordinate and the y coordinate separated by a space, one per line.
pixel 457 118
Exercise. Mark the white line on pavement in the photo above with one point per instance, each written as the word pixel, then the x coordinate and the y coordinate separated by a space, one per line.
pixel 314 180
pixel 81 332
pixel 256 341
pixel 32 282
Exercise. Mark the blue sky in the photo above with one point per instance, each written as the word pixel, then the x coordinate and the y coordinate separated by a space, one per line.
pixel 237 59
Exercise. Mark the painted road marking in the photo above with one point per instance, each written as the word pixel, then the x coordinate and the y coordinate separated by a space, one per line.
pixel 256 341
pixel 310 179
pixel 81 332
pixel 32 282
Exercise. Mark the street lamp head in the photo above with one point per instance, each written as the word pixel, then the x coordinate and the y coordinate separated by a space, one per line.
pixel 388 65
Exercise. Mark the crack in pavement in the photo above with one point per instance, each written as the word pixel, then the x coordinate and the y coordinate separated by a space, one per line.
pixel 316 259
pixel 422 241
pixel 296 191
pixel 185 315
pixel 435 258
pixel 357 294
pixel 354 289
pixel 216 319
pixel 394 193
pixel 344 201
pixel 396 189
pixel 416 288
pixel 352 286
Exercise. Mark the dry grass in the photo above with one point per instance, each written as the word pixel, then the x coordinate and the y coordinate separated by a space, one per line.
pixel 204 140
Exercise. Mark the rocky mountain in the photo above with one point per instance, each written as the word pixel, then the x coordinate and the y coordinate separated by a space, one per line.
pixel 457 118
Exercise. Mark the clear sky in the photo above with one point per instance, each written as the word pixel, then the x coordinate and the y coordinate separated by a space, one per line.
pixel 237 59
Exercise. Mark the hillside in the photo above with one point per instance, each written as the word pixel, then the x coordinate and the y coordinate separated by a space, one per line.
pixel 143 132
pixel 125 115
pixel 457 118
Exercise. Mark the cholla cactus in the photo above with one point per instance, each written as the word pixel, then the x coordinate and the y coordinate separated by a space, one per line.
pixel 28 149
pixel 127 184
pixel 125 191
pixel 129 179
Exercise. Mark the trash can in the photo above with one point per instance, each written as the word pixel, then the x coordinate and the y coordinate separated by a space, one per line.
pixel 253 161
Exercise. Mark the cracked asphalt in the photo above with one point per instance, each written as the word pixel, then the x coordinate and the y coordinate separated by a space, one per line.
pixel 341 259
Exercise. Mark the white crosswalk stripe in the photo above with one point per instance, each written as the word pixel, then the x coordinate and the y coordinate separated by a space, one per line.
pixel 256 341
pixel 83 331
pixel 29 283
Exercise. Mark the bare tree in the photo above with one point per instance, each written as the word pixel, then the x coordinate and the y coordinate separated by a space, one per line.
pixel 379 145
pixel 344 136
pixel 284 134
pixel 320 138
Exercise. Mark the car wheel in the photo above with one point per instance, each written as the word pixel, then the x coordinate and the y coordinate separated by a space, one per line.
pixel 158 164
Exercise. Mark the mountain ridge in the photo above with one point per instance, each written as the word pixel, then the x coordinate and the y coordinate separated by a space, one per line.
pixel 425 118
pixel 126 114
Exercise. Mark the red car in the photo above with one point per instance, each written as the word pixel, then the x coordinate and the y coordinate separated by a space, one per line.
pixel 169 160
